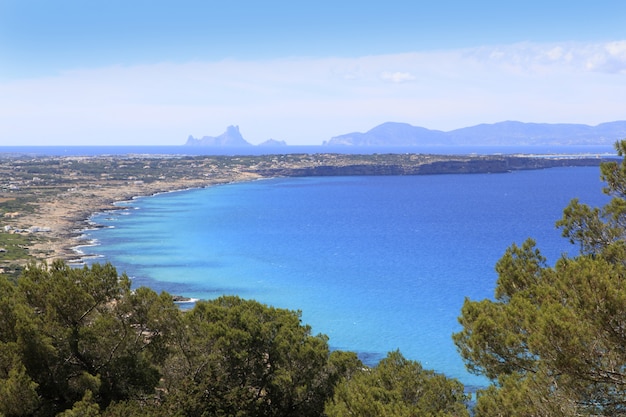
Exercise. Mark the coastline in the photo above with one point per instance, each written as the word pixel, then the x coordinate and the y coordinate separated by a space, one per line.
pixel 68 216
pixel 47 201
pixel 68 209
pixel 207 265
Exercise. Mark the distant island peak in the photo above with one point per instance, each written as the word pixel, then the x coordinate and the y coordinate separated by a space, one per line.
pixel 230 138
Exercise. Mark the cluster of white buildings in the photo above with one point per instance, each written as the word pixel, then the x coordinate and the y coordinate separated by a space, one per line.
pixel 32 229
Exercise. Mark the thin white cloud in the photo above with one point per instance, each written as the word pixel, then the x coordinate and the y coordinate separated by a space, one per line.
pixel 397 77
pixel 611 58
pixel 303 100
pixel 607 57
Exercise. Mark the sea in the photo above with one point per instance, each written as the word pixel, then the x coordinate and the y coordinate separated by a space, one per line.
pixel 267 150
pixel 375 263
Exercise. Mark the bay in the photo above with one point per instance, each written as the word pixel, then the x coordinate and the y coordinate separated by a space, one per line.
pixel 375 263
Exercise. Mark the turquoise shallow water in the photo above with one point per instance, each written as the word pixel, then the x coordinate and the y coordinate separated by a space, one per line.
pixel 376 263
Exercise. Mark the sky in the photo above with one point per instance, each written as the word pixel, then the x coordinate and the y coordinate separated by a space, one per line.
pixel 138 72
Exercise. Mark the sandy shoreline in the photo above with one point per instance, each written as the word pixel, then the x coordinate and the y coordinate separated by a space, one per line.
pixel 66 217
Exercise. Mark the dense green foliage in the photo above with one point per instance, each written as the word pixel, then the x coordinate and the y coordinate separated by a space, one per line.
pixel 397 387
pixel 238 357
pixel 80 342
pixel 66 332
pixel 553 341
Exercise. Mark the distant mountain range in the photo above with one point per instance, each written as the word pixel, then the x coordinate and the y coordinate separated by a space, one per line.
pixel 503 133
pixel 497 134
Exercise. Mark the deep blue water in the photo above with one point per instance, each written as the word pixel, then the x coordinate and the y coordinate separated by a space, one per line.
pixel 375 263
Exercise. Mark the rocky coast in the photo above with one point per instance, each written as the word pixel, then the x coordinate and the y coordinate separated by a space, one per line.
pixel 45 202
